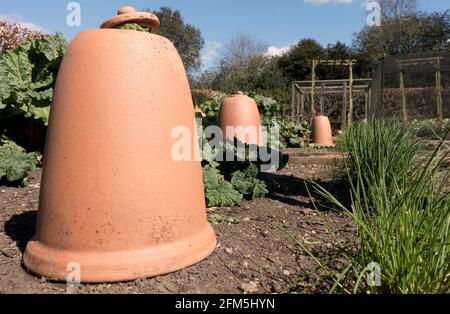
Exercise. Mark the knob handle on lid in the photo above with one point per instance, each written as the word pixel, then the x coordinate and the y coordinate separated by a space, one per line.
pixel 130 15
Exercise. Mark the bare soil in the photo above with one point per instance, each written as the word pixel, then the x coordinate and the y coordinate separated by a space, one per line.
pixel 257 255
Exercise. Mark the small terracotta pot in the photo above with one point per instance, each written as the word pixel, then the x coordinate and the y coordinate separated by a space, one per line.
pixel 113 200
pixel 241 111
pixel 321 130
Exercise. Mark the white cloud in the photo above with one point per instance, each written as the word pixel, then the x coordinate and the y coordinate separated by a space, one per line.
pixel 322 2
pixel 18 19
pixel 210 53
pixel 276 51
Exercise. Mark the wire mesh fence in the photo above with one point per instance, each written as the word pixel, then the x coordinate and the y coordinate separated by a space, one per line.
pixel 412 87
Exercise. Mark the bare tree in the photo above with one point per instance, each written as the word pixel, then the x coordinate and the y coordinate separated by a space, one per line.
pixel 242 50
pixel 398 8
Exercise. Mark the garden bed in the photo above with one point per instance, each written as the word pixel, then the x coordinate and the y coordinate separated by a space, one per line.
pixel 255 255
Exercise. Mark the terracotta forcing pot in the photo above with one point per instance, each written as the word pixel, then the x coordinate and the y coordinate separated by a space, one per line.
pixel 321 130
pixel 113 200
pixel 239 118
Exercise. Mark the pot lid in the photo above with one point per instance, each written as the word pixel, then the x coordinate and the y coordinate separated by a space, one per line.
pixel 130 15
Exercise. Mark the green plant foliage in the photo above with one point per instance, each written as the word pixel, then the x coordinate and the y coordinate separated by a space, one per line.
pixel 267 106
pixel 432 129
pixel 211 106
pixel 27 77
pixel 318 146
pixel 218 191
pixel 401 208
pixel 216 219
pixel 135 27
pixel 247 182
pixel 294 134
pixel 227 182
pixel 384 149
pixel 15 163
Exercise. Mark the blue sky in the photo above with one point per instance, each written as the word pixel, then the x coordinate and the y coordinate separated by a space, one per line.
pixel 278 23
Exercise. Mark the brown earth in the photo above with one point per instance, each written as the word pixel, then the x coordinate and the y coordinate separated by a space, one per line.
pixel 256 255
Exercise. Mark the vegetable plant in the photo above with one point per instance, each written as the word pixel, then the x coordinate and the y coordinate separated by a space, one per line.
pixel 15 163
pixel 401 209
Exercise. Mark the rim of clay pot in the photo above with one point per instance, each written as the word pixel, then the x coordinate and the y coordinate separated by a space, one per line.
pixel 130 15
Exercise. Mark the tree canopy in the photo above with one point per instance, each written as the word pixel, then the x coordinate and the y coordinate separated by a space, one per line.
pixel 416 32
pixel 186 38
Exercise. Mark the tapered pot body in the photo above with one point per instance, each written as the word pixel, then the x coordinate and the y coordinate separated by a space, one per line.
pixel 321 131
pixel 239 118
pixel 113 199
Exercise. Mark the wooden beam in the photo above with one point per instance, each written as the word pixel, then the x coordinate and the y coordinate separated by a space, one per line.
pixel 402 89
pixel 350 96
pixel 440 113
pixel 344 106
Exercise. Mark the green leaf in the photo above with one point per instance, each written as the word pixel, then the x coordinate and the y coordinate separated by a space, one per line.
pixel 17 66
pixel 53 47
pixel 218 191
pixel 41 113
pixel 15 163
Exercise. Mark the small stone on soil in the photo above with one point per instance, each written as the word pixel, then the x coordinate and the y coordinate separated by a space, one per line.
pixel 250 287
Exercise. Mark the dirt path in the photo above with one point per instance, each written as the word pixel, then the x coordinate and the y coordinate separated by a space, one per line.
pixel 255 255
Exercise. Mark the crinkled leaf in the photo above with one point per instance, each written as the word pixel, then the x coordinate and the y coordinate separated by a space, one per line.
pixel 15 164
pixel 53 47
pixel 218 191
pixel 17 66
pixel 41 113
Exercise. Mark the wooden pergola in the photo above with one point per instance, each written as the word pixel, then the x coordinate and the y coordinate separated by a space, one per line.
pixel 348 87
pixel 302 93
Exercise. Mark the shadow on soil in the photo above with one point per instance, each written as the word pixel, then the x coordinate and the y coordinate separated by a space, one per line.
pixel 21 228
pixel 298 192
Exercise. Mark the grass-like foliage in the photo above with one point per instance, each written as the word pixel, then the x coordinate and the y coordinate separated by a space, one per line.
pixel 401 208
pixel 381 151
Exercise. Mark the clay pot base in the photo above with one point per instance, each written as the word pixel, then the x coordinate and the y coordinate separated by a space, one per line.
pixel 99 267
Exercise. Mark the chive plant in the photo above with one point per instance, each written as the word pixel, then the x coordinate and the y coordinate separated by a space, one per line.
pixel 401 208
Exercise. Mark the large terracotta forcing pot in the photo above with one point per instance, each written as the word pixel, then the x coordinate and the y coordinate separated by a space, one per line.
pixel 321 130
pixel 113 200
pixel 239 118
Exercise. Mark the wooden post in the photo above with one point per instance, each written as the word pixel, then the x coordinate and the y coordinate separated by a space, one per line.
pixel 366 103
pixel 344 106
pixel 369 103
pixel 402 88
pixel 293 100
pixel 302 104
pixel 350 92
pixel 439 93
pixel 313 85
pixel 322 94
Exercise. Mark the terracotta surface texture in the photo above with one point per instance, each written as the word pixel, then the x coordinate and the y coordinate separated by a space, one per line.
pixel 239 118
pixel 321 131
pixel 113 200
